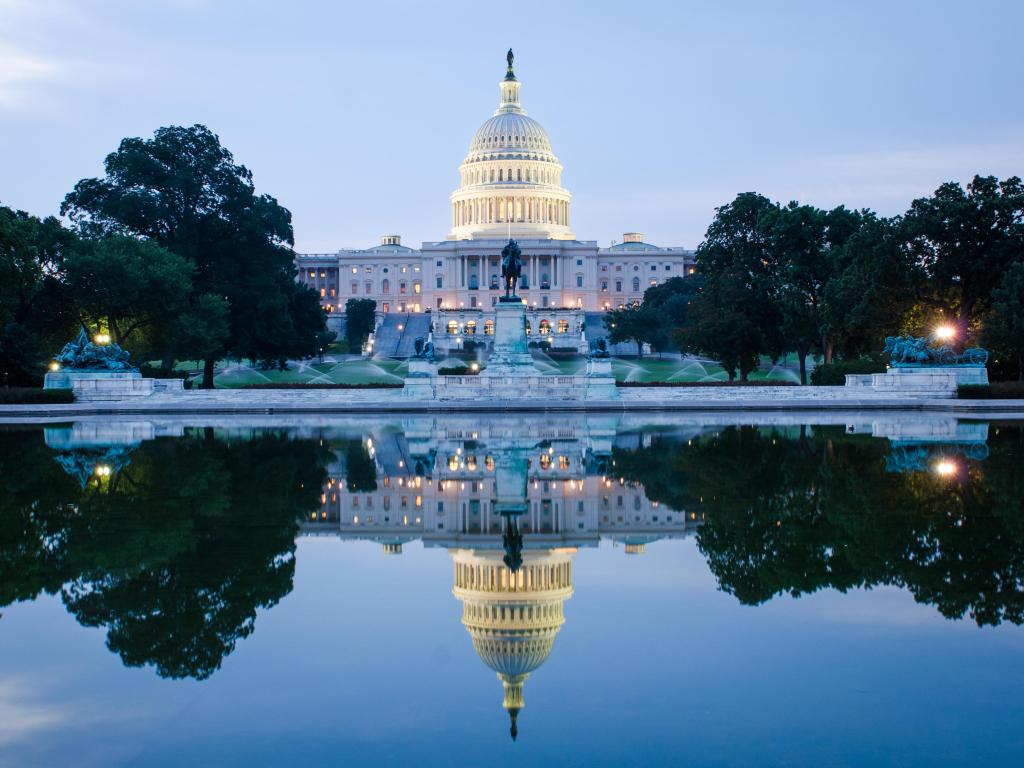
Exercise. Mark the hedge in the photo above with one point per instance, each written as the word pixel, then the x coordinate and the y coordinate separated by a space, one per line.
pixel 31 396
pixel 307 385
pixel 834 374
pixel 997 390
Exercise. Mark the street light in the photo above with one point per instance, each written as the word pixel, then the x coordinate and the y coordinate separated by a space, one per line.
pixel 945 332
pixel 102 338
pixel 945 468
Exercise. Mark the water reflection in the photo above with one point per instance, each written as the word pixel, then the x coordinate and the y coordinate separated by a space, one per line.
pixel 171 537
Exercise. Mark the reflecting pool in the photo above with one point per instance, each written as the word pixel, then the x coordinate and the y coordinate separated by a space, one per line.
pixel 550 589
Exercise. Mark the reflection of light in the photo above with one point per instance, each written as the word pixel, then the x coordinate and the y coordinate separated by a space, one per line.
pixel 945 468
pixel 945 332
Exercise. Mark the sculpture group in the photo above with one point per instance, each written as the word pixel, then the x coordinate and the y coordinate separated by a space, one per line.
pixel 82 355
pixel 915 350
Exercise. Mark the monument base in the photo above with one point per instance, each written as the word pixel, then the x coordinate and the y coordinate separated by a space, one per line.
pixel 511 355
pixel 924 379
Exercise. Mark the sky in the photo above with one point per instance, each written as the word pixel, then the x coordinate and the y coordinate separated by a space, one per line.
pixel 356 116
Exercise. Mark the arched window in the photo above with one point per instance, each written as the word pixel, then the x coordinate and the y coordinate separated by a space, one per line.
pixel 545 328
pixel 471 327
pixel 385 286
pixel 488 327
pixel 636 284
pixel 453 327
pixel 563 326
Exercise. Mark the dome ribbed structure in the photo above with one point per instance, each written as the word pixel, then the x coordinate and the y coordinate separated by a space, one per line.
pixel 511 178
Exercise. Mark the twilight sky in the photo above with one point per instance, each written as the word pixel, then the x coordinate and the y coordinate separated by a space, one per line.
pixel 357 115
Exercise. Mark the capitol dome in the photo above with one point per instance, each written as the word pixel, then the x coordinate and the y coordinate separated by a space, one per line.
pixel 513 616
pixel 511 178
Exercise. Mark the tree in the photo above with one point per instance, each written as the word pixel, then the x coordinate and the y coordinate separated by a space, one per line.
pixel 738 263
pixel 1004 326
pixel 183 191
pixel 36 310
pixel 964 241
pixel 129 285
pixel 635 323
pixel 359 321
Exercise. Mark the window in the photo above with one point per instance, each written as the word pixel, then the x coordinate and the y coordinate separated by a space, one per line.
pixel 385 286
pixel 404 270
pixel 668 267
pixel 322 273
pixel 385 270
pixel 312 273
pixel 529 328
pixel 618 286
pixel 354 270
pixel 334 292
pixel 453 327
pixel 472 302
pixel 440 281
pixel 654 281
pixel 403 287
pixel 545 329
pixel 654 267
pixel 579 262
pixel 471 327
pixel 488 327
pixel 387 307
pixel 323 292
pixel 636 284
pixel 355 288
pixel 618 267
pixel 473 282
pixel 417 288
pixel 438 264
pixel 439 300
pixel 368 270
pixel 494 283
pixel 579 281
pixel 524 281
pixel 636 267
pixel 604 286
pixel 369 286
pixel 563 326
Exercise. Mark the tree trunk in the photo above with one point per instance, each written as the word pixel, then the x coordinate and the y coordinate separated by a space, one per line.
pixel 827 348
pixel 639 348
pixel 803 368
pixel 167 362
pixel 208 373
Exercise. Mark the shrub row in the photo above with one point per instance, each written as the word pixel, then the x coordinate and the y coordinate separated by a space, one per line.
pixel 997 390
pixel 706 384
pixel 834 374
pixel 31 395
pixel 457 370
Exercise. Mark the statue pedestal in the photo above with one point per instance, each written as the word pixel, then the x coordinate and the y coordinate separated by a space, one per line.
pixel 600 382
pixel 511 355
pixel 419 384
pixel 65 379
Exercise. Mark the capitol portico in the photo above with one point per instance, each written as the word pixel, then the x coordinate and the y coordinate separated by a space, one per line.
pixel 510 186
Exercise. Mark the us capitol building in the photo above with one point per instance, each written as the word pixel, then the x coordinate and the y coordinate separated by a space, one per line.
pixel 510 186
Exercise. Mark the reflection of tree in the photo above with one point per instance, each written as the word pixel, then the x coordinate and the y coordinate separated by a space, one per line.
pixel 174 553
pixel 360 470
pixel 798 512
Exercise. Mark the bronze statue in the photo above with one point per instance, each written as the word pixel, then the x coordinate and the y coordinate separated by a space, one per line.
pixel 509 58
pixel 511 269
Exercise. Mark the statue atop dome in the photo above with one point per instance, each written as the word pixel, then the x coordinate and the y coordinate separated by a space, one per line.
pixel 510 57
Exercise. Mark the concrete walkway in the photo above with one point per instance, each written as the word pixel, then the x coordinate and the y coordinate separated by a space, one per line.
pixel 693 399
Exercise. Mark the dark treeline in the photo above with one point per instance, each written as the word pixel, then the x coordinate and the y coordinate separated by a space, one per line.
pixel 172 552
pixel 171 252
pixel 775 279
pixel 795 511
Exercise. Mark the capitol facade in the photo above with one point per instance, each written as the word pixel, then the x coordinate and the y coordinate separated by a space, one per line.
pixel 510 186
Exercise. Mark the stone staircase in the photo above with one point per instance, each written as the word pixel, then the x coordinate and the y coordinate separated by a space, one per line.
pixel 396 336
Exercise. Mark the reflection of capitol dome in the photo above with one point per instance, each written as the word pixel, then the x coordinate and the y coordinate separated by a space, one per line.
pixel 513 617
pixel 511 181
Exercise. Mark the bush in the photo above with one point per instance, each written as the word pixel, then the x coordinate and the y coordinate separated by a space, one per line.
pixel 706 384
pixel 457 370
pixel 834 374
pixel 31 396
pixel 997 390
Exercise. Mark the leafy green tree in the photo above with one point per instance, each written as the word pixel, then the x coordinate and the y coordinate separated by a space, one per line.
pixel 738 263
pixel 964 240
pixel 359 321
pixel 128 285
pixel 36 310
pixel 183 191
pixel 1004 326
pixel 635 323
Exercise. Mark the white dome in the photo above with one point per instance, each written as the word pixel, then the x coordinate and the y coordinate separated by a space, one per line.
pixel 513 132
pixel 511 181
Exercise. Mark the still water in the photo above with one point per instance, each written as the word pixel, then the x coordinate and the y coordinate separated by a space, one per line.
pixel 555 590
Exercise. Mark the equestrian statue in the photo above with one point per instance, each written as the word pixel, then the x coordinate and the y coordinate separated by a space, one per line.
pixel 511 269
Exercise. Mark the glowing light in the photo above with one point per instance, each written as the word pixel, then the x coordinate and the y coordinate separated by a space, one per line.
pixel 945 468
pixel 945 332
pixel 54 366
pixel 102 470
pixel 474 366
pixel 102 338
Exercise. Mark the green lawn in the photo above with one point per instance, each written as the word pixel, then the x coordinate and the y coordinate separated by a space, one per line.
pixel 234 374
